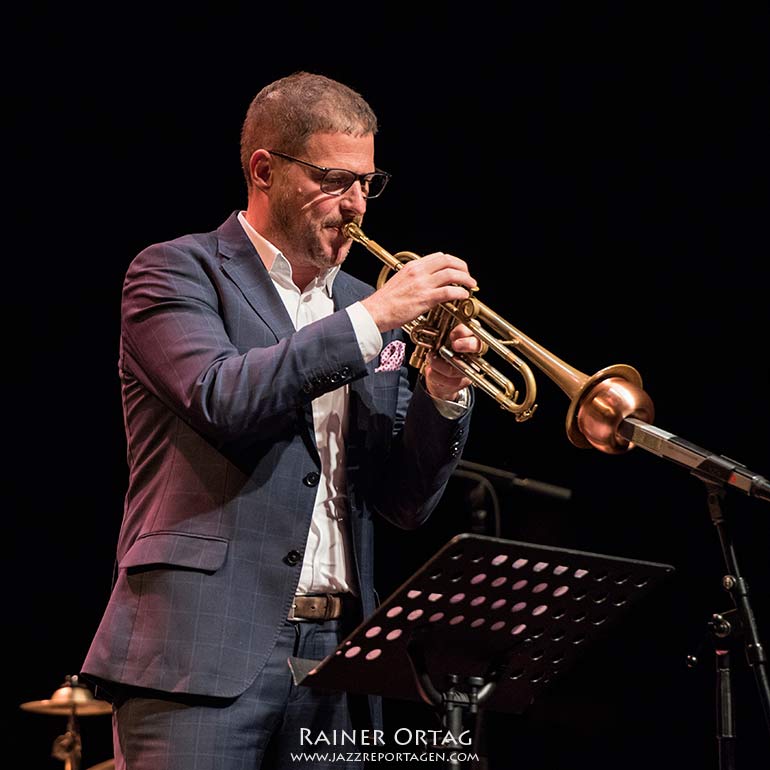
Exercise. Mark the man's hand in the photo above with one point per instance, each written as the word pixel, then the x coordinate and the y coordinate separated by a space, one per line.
pixel 416 288
pixel 442 380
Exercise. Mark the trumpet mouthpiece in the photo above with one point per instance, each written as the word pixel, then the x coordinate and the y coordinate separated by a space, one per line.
pixel 352 230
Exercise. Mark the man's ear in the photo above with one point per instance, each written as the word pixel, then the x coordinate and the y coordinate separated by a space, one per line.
pixel 261 169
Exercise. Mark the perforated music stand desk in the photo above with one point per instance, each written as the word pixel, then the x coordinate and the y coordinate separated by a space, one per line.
pixel 513 613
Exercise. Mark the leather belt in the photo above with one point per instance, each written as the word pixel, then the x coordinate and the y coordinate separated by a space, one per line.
pixel 317 607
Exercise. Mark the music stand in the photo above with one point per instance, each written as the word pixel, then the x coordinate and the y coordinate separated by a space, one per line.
pixel 485 623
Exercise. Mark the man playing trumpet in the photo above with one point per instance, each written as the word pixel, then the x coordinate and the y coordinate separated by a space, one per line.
pixel 269 418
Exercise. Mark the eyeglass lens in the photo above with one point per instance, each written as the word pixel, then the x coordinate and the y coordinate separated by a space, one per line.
pixel 336 181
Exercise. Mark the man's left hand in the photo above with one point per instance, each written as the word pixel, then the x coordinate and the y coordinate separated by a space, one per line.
pixel 442 380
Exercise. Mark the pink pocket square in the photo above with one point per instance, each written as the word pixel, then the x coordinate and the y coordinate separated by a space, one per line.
pixel 392 357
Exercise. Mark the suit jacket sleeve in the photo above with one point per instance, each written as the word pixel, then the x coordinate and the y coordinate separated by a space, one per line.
pixel 408 483
pixel 176 343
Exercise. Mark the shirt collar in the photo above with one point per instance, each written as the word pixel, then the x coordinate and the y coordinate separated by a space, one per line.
pixel 278 267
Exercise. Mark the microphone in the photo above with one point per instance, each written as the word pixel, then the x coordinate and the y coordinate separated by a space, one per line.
pixel 704 464
pixel 529 485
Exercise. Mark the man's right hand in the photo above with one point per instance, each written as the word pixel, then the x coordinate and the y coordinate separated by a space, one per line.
pixel 418 286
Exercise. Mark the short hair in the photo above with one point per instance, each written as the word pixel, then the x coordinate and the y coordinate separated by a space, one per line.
pixel 287 112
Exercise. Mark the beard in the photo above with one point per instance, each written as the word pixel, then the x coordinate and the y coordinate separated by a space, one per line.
pixel 307 241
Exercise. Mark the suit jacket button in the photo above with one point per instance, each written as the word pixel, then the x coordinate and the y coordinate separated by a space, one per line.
pixel 312 479
pixel 292 558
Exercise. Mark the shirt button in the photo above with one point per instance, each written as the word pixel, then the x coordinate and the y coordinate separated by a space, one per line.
pixel 292 558
pixel 312 479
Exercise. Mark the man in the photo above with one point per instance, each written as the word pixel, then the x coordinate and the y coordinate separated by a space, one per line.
pixel 268 419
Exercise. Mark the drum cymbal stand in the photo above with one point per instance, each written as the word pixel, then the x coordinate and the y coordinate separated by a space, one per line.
pixel 68 747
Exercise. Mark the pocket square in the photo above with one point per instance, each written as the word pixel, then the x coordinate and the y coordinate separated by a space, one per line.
pixel 392 356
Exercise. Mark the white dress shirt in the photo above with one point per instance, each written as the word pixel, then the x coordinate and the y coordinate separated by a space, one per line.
pixel 327 564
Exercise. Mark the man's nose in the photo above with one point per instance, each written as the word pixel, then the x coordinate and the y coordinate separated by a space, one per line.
pixel 353 199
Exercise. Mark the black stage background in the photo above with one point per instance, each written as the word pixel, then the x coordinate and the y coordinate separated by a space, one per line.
pixel 616 212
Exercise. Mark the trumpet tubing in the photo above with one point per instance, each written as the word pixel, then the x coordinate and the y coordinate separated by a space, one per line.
pixel 598 403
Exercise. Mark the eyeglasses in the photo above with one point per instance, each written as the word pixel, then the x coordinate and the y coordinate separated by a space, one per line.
pixel 336 181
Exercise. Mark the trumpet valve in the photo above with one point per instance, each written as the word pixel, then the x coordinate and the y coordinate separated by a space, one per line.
pixel 469 308
pixel 419 357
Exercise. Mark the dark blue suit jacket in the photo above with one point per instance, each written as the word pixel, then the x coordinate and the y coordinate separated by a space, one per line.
pixel 217 388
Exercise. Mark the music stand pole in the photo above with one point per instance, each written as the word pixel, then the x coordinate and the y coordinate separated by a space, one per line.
pixel 454 703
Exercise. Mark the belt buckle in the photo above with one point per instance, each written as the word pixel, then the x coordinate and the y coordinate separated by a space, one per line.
pixel 326 601
pixel 291 615
pixel 305 619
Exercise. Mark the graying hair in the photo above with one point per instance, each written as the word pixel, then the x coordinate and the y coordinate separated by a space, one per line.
pixel 287 112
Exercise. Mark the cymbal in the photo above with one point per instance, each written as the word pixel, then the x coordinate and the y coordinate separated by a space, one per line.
pixel 108 765
pixel 71 696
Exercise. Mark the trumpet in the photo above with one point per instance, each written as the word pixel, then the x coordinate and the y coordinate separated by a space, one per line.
pixel 598 403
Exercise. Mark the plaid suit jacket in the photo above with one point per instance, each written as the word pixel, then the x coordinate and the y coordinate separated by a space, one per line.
pixel 217 388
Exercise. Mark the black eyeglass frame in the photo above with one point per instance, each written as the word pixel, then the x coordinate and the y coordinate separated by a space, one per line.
pixel 361 178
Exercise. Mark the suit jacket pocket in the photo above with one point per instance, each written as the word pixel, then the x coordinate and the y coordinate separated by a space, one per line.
pixel 386 379
pixel 176 549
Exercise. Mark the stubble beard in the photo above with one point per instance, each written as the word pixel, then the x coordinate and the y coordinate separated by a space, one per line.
pixel 302 239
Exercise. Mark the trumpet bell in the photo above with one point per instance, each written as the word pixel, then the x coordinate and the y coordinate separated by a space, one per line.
pixel 605 400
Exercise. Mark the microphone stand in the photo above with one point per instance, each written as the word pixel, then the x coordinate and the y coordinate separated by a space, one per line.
pixel 737 586
pixel 718 473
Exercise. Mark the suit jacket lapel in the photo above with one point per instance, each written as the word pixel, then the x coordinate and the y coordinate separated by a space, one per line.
pixel 242 264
